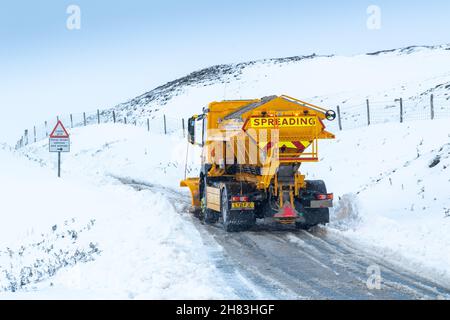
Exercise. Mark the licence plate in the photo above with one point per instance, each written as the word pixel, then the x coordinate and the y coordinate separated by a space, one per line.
pixel 242 205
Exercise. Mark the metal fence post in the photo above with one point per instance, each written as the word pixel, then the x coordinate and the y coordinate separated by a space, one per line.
pixel 46 132
pixel 71 121
pixel 125 120
pixel 339 118
pixel 432 106
pixel 368 112
pixel 84 118
pixel 98 116
pixel 165 125
pixel 34 131
pixel 114 116
pixel 148 124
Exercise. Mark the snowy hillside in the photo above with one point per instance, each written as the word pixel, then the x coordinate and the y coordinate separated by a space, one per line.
pixel 411 73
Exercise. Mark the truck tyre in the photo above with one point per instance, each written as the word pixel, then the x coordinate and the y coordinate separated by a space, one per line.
pixel 234 221
pixel 314 217
pixel 207 215
pixel 210 216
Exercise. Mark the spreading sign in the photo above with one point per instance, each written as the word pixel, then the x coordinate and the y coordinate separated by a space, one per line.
pixel 282 122
pixel 59 139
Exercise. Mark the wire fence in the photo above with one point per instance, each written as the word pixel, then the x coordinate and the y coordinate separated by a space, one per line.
pixel 397 110
pixel 157 124
pixel 348 117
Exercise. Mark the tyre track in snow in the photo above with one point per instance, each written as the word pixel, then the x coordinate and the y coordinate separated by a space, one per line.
pixel 319 265
pixel 231 275
pixel 277 262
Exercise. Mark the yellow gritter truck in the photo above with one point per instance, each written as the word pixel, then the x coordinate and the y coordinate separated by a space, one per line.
pixel 252 151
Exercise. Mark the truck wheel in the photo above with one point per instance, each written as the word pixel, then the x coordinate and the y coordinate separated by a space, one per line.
pixel 228 223
pixel 234 221
pixel 210 217
pixel 314 217
pixel 207 215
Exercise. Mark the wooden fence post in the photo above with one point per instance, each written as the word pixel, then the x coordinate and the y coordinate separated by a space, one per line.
pixel 368 112
pixel 148 124
pixel 182 124
pixel 125 120
pixel 432 106
pixel 98 116
pixel 26 137
pixel 165 125
pixel 71 121
pixel 114 116
pixel 84 118
pixel 401 110
pixel 339 118
pixel 34 131
pixel 46 131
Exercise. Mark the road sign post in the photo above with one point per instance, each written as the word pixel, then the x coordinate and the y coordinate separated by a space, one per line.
pixel 59 142
pixel 59 164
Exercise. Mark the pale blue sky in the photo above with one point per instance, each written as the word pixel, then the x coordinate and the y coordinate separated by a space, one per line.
pixel 125 48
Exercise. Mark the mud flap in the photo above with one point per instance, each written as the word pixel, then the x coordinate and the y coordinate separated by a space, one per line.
pixel 315 217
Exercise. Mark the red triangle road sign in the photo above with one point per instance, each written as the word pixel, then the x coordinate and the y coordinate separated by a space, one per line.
pixel 59 131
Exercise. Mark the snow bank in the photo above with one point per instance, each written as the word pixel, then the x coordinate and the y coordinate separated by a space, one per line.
pixel 88 234
pixel 391 184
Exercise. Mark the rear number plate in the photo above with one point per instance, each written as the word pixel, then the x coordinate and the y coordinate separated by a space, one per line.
pixel 242 205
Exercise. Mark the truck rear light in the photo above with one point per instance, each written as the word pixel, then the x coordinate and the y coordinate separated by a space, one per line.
pixel 328 196
pixel 239 199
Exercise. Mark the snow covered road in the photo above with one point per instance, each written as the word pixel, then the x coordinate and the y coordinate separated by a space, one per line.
pixel 276 262
pixel 318 265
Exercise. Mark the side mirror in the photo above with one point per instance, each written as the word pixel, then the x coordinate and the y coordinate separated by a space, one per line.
pixel 191 130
